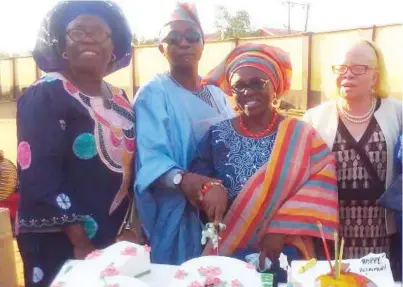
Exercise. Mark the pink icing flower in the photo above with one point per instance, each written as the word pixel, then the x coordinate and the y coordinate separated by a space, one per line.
pixel 236 283
pixel 109 271
pixel 24 155
pixel 94 254
pixel 180 274
pixel 195 284
pixel 213 281
pixel 129 251
pixel 70 87
pixel 250 266
pixel 209 271
pixel 147 248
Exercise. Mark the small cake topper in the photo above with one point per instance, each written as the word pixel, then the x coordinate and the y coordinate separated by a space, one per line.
pixel 284 262
pixel 210 232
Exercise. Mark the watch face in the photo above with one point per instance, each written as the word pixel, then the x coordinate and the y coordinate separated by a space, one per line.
pixel 177 178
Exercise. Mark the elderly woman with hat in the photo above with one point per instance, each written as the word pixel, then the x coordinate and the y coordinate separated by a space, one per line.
pixel 75 139
pixel 276 172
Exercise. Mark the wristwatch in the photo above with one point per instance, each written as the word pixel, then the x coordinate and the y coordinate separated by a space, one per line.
pixel 177 179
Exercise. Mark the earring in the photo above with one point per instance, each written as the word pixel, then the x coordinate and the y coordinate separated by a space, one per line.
pixel 275 103
pixel 113 58
pixel 65 56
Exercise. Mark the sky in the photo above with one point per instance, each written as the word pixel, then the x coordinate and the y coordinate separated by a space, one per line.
pixel 20 19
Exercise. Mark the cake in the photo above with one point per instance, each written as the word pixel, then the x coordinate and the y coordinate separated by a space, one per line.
pixel 114 281
pixel 372 270
pixel 122 259
pixel 216 271
pixel 346 279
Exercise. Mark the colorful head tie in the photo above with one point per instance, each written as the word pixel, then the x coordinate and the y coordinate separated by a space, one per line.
pixel 273 61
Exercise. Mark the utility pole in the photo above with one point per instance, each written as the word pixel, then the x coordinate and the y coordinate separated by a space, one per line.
pixel 290 5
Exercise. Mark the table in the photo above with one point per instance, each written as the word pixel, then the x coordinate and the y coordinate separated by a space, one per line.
pixel 161 275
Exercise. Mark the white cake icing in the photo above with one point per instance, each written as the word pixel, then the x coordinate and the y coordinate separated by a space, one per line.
pixel 113 281
pixel 123 259
pixel 128 259
pixel 375 267
pixel 216 270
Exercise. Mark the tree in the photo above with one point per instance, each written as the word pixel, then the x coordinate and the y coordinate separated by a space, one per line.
pixel 135 41
pixel 235 26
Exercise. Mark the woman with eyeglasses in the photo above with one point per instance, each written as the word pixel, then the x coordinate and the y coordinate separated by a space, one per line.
pixel 75 140
pixel 278 175
pixel 173 111
pixel 361 126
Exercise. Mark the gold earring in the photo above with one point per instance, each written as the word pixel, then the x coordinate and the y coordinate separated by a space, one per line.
pixel 275 103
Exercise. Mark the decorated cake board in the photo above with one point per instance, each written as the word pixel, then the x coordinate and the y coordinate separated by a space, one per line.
pixel 375 267
pixel 217 271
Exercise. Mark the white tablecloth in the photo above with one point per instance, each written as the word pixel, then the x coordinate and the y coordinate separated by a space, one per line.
pixel 161 275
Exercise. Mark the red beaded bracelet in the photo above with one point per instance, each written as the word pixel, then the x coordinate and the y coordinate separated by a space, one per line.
pixel 207 186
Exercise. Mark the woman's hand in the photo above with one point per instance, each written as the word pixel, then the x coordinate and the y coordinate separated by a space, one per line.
pixel 131 236
pixel 271 246
pixel 191 186
pixel 82 245
pixel 215 202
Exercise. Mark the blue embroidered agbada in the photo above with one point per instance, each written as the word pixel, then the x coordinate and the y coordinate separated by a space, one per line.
pixel 170 122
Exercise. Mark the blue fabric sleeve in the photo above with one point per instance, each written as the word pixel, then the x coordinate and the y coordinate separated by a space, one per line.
pixel 42 144
pixel 203 163
pixel 155 152
pixel 399 152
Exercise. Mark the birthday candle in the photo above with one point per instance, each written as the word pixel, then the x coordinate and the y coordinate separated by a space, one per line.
pixel 336 254
pixel 322 235
pixel 307 265
pixel 341 255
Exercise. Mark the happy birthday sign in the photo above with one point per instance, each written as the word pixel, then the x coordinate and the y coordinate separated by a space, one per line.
pixel 375 267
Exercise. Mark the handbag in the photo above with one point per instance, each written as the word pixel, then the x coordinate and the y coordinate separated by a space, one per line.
pixel 392 197
pixel 130 229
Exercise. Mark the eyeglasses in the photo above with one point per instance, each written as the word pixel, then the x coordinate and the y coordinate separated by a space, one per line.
pixel 98 36
pixel 256 84
pixel 355 69
pixel 175 38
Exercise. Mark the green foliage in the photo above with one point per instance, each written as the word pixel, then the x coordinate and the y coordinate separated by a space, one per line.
pixel 233 26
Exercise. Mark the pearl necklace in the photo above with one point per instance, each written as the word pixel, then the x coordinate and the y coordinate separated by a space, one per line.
pixel 358 119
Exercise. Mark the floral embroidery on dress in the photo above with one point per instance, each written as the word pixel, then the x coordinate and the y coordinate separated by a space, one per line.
pixel 113 135
pixel 241 157
pixel 37 275
pixel 63 201
pixel 24 155
pixel 90 226
pixel 52 222
pixel 84 146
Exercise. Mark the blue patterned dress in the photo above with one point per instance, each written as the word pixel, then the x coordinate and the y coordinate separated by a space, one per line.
pixel 71 153
pixel 231 157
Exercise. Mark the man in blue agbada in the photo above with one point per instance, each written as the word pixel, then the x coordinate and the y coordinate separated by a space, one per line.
pixel 173 112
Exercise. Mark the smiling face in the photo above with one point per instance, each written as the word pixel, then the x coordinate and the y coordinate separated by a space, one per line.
pixel 254 91
pixel 182 44
pixel 359 82
pixel 88 44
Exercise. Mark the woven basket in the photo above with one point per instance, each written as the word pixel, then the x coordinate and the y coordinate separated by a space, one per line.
pixel 8 178
pixel 8 272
